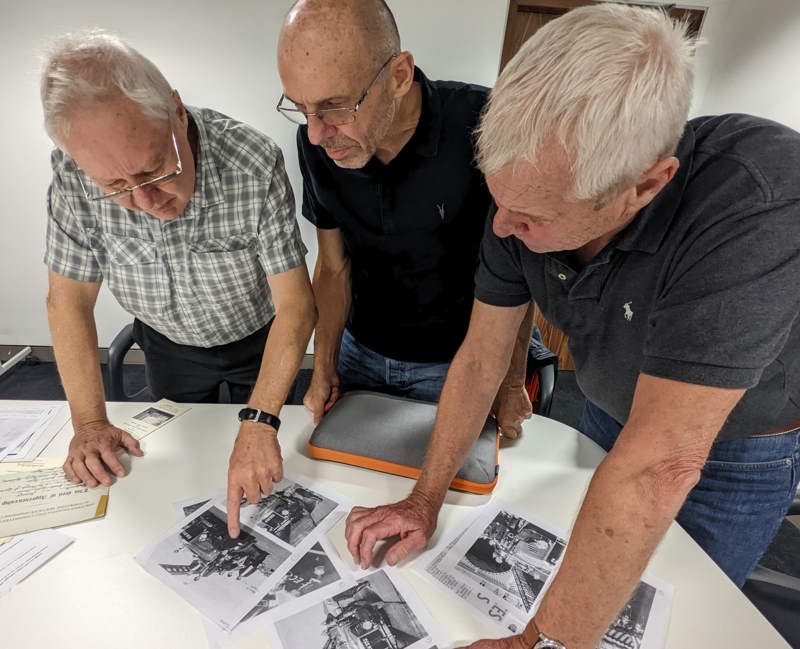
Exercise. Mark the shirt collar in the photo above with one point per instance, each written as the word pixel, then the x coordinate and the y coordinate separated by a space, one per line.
pixel 648 228
pixel 208 186
pixel 429 128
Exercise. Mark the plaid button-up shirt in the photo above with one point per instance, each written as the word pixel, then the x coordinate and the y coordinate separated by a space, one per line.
pixel 199 279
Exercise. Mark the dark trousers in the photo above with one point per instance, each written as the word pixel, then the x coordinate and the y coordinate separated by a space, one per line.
pixel 190 374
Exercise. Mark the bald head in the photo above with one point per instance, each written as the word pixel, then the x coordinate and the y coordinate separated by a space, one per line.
pixel 355 32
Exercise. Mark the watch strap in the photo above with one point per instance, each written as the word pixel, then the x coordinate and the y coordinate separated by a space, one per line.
pixel 533 638
pixel 259 416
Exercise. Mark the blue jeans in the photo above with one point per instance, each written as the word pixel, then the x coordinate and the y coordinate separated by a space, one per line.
pixel 745 489
pixel 360 368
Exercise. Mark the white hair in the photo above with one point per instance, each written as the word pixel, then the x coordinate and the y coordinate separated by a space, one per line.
pixel 94 66
pixel 612 83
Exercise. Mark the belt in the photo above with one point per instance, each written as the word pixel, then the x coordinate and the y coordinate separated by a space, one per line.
pixel 781 430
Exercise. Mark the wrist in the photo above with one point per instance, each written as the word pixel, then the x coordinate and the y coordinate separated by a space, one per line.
pixel 90 424
pixel 430 500
pixel 256 428
pixel 259 418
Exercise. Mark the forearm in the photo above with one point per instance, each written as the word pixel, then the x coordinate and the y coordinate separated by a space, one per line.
pixel 469 390
pixel 283 353
pixel 515 376
pixel 625 513
pixel 74 335
pixel 332 293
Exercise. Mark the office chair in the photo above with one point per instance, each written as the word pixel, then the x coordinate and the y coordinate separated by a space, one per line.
pixel 120 346
pixel 540 378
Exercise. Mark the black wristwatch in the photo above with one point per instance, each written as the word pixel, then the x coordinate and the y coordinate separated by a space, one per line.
pixel 259 416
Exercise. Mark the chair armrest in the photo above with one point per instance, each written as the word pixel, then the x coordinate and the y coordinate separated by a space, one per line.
pixel 116 355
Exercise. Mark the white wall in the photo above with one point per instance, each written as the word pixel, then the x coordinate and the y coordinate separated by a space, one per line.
pixel 222 55
pixel 218 54
pixel 756 62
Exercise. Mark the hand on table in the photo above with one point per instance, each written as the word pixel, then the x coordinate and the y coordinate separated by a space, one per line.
pixel 412 519
pixel 513 642
pixel 322 394
pixel 255 464
pixel 92 453
pixel 511 407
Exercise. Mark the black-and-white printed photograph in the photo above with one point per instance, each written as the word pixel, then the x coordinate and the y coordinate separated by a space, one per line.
pixel 314 570
pixel 291 512
pixel 154 416
pixel 370 615
pixel 188 510
pixel 216 573
pixel 627 631
pixel 513 558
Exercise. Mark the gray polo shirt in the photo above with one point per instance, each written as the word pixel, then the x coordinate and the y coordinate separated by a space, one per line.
pixel 702 287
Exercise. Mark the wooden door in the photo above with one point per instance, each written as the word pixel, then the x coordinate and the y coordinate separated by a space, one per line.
pixel 524 19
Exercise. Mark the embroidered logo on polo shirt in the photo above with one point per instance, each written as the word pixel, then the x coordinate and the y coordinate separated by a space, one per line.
pixel 440 208
pixel 628 311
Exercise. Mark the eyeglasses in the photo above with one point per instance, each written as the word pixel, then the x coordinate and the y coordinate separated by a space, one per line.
pixel 330 116
pixel 127 191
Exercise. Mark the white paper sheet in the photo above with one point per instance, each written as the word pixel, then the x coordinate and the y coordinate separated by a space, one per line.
pixel 381 610
pixel 225 579
pixel 19 427
pixel 34 498
pixel 503 563
pixel 24 554
pixel 153 417
pixel 41 423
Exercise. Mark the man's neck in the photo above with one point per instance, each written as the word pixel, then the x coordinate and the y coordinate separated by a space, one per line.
pixel 403 126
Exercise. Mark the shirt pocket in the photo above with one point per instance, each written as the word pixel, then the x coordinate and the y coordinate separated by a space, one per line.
pixel 227 271
pixel 137 278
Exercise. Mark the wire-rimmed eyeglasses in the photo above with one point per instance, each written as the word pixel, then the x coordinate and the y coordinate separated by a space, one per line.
pixel 126 191
pixel 330 116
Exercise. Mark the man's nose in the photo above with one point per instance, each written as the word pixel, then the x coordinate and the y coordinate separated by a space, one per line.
pixel 502 224
pixel 319 130
pixel 144 197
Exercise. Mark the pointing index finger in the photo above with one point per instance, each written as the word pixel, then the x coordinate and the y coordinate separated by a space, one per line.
pixel 234 498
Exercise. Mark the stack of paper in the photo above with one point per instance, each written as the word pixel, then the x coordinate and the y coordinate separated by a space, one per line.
pixel 24 554
pixel 25 432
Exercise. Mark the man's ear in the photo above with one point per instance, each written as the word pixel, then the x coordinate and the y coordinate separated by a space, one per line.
pixel 653 181
pixel 402 71
pixel 180 109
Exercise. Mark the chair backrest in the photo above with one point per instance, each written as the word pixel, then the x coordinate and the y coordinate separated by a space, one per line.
pixel 540 382
pixel 119 347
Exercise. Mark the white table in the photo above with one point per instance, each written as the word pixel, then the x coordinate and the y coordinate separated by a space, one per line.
pixel 94 595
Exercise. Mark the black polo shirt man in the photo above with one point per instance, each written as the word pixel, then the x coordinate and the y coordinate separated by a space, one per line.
pixel 702 287
pixel 412 230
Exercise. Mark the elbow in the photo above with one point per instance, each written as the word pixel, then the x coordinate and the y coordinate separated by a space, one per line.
pixel 666 483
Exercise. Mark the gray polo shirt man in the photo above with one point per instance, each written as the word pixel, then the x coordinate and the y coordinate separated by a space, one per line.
pixel 702 287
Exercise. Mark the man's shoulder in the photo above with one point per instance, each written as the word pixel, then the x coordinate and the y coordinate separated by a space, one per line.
pixel 764 152
pixel 461 95
pixel 237 145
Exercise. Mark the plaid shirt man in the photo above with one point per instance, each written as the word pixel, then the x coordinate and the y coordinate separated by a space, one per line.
pixel 199 279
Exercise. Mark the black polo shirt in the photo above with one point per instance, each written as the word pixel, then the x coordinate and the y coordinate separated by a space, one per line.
pixel 412 228
pixel 703 286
